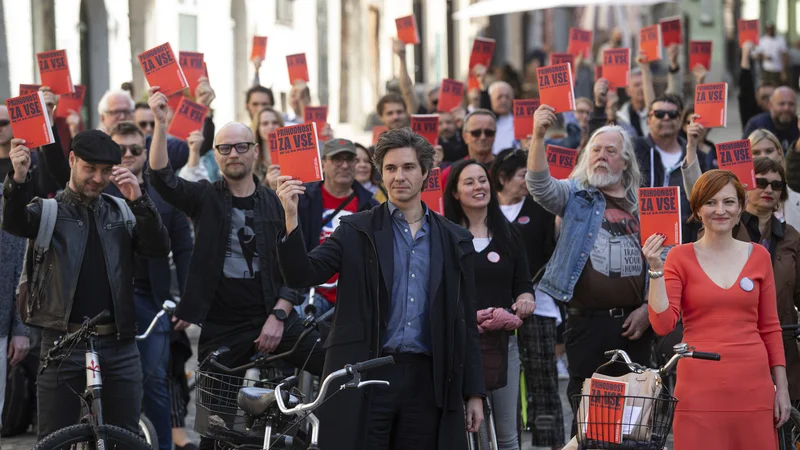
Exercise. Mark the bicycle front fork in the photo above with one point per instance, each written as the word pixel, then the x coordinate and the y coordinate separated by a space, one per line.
pixel 94 390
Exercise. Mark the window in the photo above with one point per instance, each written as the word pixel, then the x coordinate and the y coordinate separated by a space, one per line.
pixel 187 29
pixel 284 11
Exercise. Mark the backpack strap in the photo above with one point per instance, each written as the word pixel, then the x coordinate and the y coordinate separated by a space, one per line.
pixel 46 225
pixel 127 214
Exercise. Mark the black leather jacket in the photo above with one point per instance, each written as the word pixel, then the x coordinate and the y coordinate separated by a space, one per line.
pixel 21 217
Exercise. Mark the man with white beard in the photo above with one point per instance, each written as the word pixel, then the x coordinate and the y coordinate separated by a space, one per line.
pixel 597 266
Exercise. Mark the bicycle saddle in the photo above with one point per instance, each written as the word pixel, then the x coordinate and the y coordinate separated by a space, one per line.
pixel 256 401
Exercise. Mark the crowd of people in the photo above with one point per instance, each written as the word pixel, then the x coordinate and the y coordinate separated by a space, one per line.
pixel 523 280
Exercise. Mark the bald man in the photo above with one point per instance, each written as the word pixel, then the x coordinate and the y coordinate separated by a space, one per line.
pixel 234 287
pixel 501 96
pixel 781 119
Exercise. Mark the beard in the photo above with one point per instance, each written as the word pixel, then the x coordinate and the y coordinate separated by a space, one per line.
pixel 603 180
pixel 86 189
pixel 235 172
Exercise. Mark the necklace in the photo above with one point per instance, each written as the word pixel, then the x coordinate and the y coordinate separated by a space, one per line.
pixel 423 216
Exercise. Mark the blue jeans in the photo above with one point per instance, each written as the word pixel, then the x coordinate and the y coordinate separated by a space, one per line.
pixel 321 304
pixel 154 353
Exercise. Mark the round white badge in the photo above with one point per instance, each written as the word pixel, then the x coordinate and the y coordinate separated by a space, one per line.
pixel 524 220
pixel 746 284
pixel 493 257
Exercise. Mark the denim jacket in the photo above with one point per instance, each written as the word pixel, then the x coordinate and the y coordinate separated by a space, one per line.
pixel 581 209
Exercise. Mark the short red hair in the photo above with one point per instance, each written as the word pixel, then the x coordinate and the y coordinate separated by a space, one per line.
pixel 707 187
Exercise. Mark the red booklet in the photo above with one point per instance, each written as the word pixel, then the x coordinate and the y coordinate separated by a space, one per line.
pixel 187 118
pixel 605 411
pixel 72 101
pixel 473 83
pixel 700 53
pixel 711 104
pixel 174 100
pixel 671 31
pixel 660 212
pixel 562 58
pixel 580 41
pixel 482 51
pixel 205 71
pixel 272 142
pixel 748 31
pixel 556 88
pixel 29 120
pixel 737 157
pixel 316 114
pixel 407 29
pixel 193 68
pixel 54 71
pixel 25 89
pixel 598 72
pixel 451 94
pixel 259 49
pixel 298 149
pixel 298 69
pixel 432 193
pixel 427 126
pixel 617 67
pixel 161 69
pixel 650 42
pixel 523 117
pixel 377 131
pixel 561 161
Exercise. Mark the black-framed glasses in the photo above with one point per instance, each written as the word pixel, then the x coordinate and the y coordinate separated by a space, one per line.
pixel 241 148
pixel 147 124
pixel 777 185
pixel 660 113
pixel 488 132
pixel 344 157
pixel 4 122
pixel 120 112
pixel 135 149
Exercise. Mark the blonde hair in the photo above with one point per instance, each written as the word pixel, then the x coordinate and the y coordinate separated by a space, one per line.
pixel 761 134
pixel 263 152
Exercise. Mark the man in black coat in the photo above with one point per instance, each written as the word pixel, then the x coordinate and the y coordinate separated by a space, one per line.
pixel 406 290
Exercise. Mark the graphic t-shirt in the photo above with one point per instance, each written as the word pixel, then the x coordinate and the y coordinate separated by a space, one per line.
pixel 329 205
pixel 614 274
pixel 239 292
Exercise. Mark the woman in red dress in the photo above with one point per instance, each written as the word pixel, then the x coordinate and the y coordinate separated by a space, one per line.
pixel 725 289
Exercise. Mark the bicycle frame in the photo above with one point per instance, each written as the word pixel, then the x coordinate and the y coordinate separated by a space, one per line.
pixel 94 392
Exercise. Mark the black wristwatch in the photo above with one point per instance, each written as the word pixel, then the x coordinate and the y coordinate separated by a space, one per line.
pixel 279 314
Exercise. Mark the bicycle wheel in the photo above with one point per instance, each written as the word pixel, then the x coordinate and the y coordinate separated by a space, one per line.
pixel 794 433
pixel 70 438
pixel 147 431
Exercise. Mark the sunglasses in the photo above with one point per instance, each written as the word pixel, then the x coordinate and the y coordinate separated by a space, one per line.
pixel 4 122
pixel 762 183
pixel 135 149
pixel 147 124
pixel 241 148
pixel 486 132
pixel 660 113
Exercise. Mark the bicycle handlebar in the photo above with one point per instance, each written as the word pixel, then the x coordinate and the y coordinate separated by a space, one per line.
pixel 681 350
pixel 168 307
pixel 373 364
pixel 104 314
pixel 706 355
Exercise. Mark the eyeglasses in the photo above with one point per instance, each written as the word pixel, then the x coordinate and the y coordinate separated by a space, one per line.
pixel 119 112
pixel 660 113
pixel 347 158
pixel 486 132
pixel 777 185
pixel 135 149
pixel 4 122
pixel 147 124
pixel 241 148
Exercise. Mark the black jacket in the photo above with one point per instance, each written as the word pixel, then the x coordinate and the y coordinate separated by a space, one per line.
pixel 309 209
pixel 21 217
pixel 361 251
pixel 209 206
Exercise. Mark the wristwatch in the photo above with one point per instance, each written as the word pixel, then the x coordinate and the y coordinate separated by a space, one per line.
pixel 279 314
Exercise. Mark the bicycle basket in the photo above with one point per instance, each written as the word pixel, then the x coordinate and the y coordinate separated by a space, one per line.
pixel 621 422
pixel 218 415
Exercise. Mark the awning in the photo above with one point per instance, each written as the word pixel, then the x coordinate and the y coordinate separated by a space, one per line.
pixel 495 7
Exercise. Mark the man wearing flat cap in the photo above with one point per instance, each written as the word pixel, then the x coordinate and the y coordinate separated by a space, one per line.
pixel 328 201
pixel 90 269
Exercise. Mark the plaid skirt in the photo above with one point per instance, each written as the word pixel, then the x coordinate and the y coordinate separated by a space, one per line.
pixel 537 341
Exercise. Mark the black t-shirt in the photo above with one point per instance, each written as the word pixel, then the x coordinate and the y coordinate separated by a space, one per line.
pixel 93 292
pixel 537 227
pixel 5 167
pixel 239 295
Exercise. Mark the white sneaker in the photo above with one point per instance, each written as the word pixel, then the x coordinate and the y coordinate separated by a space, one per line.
pixel 561 366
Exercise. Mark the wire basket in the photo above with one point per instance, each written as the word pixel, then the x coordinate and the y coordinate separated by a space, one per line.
pixel 218 415
pixel 621 422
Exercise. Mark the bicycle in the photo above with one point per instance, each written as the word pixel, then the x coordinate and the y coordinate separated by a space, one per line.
pixel 241 412
pixel 789 434
pixel 640 422
pixel 92 432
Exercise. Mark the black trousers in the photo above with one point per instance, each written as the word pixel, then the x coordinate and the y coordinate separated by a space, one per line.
pixel 121 371
pixel 587 338
pixel 239 339
pixel 404 416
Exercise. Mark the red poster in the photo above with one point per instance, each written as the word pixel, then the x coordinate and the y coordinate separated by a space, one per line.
pixel 188 117
pixel 711 104
pixel 29 120
pixel 748 31
pixel 71 102
pixel 451 94
pixel 482 51
pixel 272 142
pixel 193 68
pixel 259 49
pixel 556 87
pixel 407 29
pixel 54 71
pixel 432 194
pixel 523 117
pixel 617 67
pixel 580 41
pixel 700 53
pixel 605 411
pixel 162 69
pixel 650 42
pixel 671 31
pixel 561 161
pixel 298 68
pixel 427 126
pixel 737 157
pixel 298 149
pixel 660 212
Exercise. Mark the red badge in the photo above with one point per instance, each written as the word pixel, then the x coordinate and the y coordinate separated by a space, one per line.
pixel 524 220
pixel 493 257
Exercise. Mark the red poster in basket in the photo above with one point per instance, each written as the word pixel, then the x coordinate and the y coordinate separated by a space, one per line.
pixel 193 68
pixel 298 149
pixel 71 102
pixel 432 194
pixel 737 156
pixel 298 68
pixel 54 71
pixel 451 94
pixel 523 117
pixel 580 41
pixel 605 410
pixel 162 69
pixel 407 29
pixel 556 88
pixel 660 212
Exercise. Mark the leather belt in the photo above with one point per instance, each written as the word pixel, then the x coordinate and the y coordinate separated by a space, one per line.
pixel 101 330
pixel 613 313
